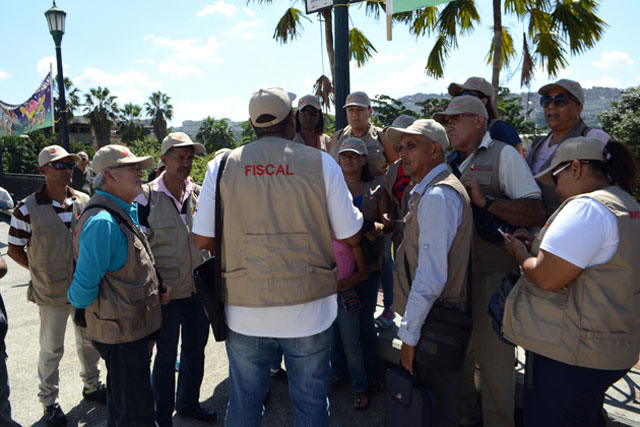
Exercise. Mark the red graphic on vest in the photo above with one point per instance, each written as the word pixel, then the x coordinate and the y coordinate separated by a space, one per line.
pixel 271 170
pixel 634 214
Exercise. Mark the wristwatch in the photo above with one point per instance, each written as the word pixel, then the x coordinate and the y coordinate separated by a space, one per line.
pixel 488 200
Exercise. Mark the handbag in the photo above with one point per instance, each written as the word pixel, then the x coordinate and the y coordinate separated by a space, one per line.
pixel 208 275
pixel 408 403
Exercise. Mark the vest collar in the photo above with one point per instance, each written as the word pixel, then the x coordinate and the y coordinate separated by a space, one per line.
pixel 422 185
pixel 42 198
pixel 130 209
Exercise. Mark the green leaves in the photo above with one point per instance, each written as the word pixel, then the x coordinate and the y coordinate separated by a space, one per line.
pixel 160 110
pixel 289 27
pixel 215 134
pixel 101 109
pixel 507 49
pixel 360 48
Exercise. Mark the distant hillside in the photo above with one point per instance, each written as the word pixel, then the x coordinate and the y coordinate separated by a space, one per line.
pixel 597 100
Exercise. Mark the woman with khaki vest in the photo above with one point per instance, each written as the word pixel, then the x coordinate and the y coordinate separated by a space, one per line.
pixel 575 309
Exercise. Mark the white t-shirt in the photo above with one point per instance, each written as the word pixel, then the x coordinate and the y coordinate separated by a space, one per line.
pixel 289 321
pixel 585 233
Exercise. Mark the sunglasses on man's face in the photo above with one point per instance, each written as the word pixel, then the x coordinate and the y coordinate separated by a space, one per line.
pixel 560 100
pixel 62 165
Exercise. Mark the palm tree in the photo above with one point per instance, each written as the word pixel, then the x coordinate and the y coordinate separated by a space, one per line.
pixel 215 134
pixel 551 26
pixel 159 109
pixel 102 111
pixel 72 96
pixel 129 121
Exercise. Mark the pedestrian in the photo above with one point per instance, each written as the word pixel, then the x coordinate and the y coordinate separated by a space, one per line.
pixel 499 184
pixel 575 309
pixel 82 175
pixel 359 111
pixel 281 202
pixel 310 123
pixel 562 103
pixel 431 262
pixel 40 240
pixel 165 212
pixel 115 282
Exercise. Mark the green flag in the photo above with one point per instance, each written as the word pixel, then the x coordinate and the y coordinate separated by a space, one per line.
pixel 397 6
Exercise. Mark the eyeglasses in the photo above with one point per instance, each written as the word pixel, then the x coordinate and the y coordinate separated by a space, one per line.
pixel 560 100
pixel 472 93
pixel 135 167
pixel 62 165
pixel 554 174
pixel 453 120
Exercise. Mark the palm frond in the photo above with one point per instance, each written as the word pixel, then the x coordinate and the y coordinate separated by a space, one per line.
pixel 507 50
pixel 289 26
pixel 578 22
pixel 550 52
pixel 372 8
pixel 323 89
pixel 527 63
pixel 360 48
pixel 424 22
pixel 437 56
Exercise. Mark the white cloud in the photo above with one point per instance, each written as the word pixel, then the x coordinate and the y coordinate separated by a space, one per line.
pixel 234 108
pixel 180 69
pixel 407 80
pixel 219 7
pixel 145 61
pixel 50 61
pixel 126 86
pixel 4 75
pixel 188 50
pixel 604 81
pixel 248 11
pixel 387 58
pixel 244 30
pixel 614 59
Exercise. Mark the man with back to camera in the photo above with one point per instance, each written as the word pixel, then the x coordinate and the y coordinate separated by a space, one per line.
pixel 282 200
pixel 40 239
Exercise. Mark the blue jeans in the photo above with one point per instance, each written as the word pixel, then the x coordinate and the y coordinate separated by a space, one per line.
pixel 347 345
pixel 184 315
pixel 387 273
pixel 129 396
pixel 367 291
pixel 307 362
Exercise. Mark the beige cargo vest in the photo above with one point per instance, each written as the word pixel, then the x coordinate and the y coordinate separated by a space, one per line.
pixel 488 257
pixel 377 162
pixel 171 241
pixel 276 244
pixel 592 322
pixel 549 196
pixel 127 307
pixel 370 209
pixel 50 251
pixel 454 293
pixel 398 209
pixel 323 140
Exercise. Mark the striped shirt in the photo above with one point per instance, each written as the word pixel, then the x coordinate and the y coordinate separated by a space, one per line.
pixel 20 227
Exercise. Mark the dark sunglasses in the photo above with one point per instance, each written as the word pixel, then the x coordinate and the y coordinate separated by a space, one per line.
pixel 62 165
pixel 560 100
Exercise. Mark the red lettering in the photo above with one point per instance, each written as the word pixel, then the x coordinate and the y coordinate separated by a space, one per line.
pixel 289 173
pixel 269 169
pixel 280 170
pixel 247 168
pixel 259 170
pixel 634 214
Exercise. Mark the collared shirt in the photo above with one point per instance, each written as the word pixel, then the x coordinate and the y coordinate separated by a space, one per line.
pixel 103 247
pixel 159 185
pixel 20 227
pixel 516 180
pixel 439 214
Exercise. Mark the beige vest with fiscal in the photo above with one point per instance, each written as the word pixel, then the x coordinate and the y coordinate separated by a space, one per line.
pixel 171 241
pixel 454 293
pixel 489 257
pixel 50 251
pixel 377 163
pixel 276 240
pixel 127 307
pixel 594 321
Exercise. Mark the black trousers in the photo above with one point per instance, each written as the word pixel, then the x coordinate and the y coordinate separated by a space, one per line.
pixel 566 395
pixel 5 406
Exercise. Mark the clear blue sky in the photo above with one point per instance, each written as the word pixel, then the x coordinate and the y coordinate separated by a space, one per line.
pixel 209 56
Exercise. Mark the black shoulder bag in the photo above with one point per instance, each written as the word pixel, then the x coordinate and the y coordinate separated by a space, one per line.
pixel 208 275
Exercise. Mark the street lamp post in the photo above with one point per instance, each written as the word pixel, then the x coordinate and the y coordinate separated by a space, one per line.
pixel 55 18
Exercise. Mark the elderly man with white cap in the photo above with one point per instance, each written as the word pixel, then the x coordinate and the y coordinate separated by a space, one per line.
pixel 116 283
pixel 165 212
pixel 281 203
pixel 502 192
pixel 430 267
pixel 40 239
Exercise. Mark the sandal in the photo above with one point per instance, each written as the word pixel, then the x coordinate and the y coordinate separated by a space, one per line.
pixel 360 400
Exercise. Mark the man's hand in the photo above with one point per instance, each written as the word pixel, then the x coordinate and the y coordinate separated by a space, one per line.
pixel 473 188
pixel 407 356
pixel 165 295
pixel 514 246
pixel 375 232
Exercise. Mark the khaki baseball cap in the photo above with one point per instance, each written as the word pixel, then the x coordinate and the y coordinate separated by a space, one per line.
pixel 403 121
pixel 360 99
pixel 461 105
pixel 53 153
pixel 473 83
pixel 571 86
pixel 118 155
pixel 579 148
pixel 269 101
pixel 309 100
pixel 425 127
pixel 180 139
pixel 354 144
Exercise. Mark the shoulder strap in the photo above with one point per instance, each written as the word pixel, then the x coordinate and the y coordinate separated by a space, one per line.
pixel 218 226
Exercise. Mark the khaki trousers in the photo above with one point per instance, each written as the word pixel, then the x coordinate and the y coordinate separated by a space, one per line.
pixel 53 323
pixel 495 359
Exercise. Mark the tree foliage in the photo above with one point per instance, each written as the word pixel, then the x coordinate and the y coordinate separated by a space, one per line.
pixel 386 109
pixel 20 153
pixel 102 111
pixel 510 108
pixel 159 109
pixel 430 106
pixel 131 128
pixel 215 134
pixel 622 120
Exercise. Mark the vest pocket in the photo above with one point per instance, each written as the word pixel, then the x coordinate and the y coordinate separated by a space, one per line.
pixel 274 256
pixel 539 314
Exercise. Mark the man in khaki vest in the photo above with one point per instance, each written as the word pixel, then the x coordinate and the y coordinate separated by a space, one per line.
pixel 282 201
pixel 165 212
pixel 435 248
pixel 40 240
pixel 499 183
pixel 116 283
pixel 82 174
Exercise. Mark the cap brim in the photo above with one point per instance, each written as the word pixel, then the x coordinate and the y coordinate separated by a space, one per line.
pixel 358 104
pixel 454 89
pixel 394 135
pixel 145 162
pixel 197 147
pixel 352 150
pixel 544 176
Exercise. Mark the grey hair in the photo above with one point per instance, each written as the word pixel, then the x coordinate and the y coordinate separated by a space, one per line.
pixel 98 181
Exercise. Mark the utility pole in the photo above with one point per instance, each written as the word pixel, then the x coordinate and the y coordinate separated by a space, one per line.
pixel 341 85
